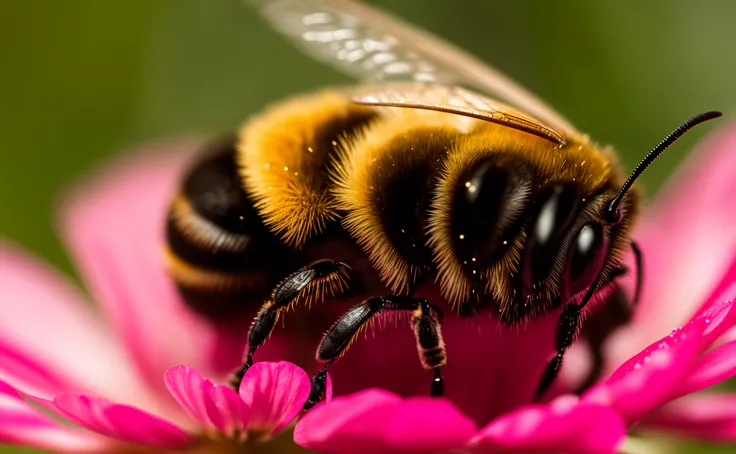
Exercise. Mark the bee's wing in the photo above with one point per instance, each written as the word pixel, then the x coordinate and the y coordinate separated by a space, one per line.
pixel 370 45
pixel 455 100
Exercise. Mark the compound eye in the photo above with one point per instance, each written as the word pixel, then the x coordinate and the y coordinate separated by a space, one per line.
pixel 557 210
pixel 587 256
pixel 487 201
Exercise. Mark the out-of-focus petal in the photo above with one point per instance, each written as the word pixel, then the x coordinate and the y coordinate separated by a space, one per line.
pixel 20 424
pixel 114 225
pixel 724 290
pixel 212 406
pixel 703 416
pixel 690 220
pixel 650 378
pixel 49 338
pixel 563 425
pixel 275 393
pixel 377 421
pixel 328 389
pixel 30 375
pixel 121 422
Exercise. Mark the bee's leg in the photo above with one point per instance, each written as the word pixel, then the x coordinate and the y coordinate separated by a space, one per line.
pixel 306 285
pixel 568 325
pixel 639 272
pixel 426 321
pixel 615 312
pixel 339 338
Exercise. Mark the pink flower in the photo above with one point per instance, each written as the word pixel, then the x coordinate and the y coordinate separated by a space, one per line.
pixel 56 355
pixel 69 382
pixel 653 374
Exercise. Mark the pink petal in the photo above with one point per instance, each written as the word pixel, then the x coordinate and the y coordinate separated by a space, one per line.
pixel 350 424
pixel 564 425
pixel 212 406
pixel 713 367
pixel 121 421
pixel 227 411
pixel 328 389
pixel 50 341
pixel 275 393
pixel 423 424
pixel 692 220
pixel 649 378
pixel 29 374
pixel 114 225
pixel 191 390
pixel 376 421
pixel 719 318
pixel 20 424
pixel 724 290
pixel 705 416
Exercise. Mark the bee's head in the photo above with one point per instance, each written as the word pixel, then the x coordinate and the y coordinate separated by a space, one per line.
pixel 545 239
pixel 612 214
pixel 566 242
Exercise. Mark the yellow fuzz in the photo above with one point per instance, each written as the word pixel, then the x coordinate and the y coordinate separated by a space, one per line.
pixel 284 156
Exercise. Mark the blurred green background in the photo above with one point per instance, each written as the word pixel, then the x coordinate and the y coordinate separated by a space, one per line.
pixel 82 79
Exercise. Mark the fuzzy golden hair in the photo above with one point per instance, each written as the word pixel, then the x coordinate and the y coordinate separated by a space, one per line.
pixel 367 161
pixel 284 156
pixel 319 288
pixel 300 180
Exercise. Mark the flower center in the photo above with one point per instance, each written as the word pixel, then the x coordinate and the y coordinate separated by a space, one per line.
pixel 219 444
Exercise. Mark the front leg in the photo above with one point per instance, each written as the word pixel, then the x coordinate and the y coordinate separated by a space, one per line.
pixel 614 312
pixel 306 285
pixel 567 328
pixel 569 322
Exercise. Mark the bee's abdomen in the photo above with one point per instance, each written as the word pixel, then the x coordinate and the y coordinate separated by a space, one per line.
pixel 220 254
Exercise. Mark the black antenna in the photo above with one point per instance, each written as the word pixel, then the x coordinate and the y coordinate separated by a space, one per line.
pixel 613 214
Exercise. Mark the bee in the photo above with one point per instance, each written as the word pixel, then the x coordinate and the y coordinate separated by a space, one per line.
pixel 429 173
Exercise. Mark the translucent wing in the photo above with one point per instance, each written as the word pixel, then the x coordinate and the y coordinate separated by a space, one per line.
pixel 370 45
pixel 458 101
